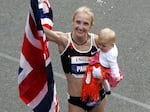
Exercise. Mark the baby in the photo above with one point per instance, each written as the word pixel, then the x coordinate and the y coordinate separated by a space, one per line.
pixel 102 66
pixel 108 54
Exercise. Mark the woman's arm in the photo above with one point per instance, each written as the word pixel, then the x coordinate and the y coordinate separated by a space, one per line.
pixel 59 38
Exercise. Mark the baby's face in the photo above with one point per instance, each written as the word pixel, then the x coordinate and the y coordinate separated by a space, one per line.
pixel 104 44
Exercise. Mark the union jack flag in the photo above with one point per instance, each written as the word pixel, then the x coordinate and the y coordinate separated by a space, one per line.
pixel 36 82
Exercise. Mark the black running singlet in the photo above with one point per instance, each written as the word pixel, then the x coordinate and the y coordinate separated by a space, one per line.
pixel 75 61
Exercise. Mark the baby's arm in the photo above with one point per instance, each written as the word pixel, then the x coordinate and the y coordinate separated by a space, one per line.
pixel 113 64
pixel 115 70
pixel 112 60
pixel 97 74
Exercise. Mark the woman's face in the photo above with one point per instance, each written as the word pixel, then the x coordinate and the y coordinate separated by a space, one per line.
pixel 81 24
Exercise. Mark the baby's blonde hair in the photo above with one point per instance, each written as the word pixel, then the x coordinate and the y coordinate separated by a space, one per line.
pixel 107 34
pixel 87 10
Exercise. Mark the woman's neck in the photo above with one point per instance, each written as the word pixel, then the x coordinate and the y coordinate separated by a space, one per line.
pixel 79 41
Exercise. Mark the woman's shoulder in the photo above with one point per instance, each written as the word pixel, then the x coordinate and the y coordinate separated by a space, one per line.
pixel 62 40
pixel 94 35
pixel 94 38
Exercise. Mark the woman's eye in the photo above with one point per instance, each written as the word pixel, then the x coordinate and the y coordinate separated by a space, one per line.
pixel 86 23
pixel 78 22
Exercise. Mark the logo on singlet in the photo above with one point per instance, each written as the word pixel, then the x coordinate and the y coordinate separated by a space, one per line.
pixel 92 53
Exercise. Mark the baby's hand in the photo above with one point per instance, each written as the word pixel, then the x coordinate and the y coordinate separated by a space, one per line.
pixel 117 78
pixel 96 72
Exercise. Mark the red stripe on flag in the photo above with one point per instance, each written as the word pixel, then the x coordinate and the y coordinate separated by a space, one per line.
pixel 37 36
pixel 47 26
pixel 34 82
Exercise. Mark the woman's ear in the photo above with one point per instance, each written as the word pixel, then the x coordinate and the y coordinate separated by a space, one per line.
pixel 92 26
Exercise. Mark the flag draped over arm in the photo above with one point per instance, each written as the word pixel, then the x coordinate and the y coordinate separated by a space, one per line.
pixel 35 80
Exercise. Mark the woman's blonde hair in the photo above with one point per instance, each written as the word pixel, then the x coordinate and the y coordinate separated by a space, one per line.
pixel 87 10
